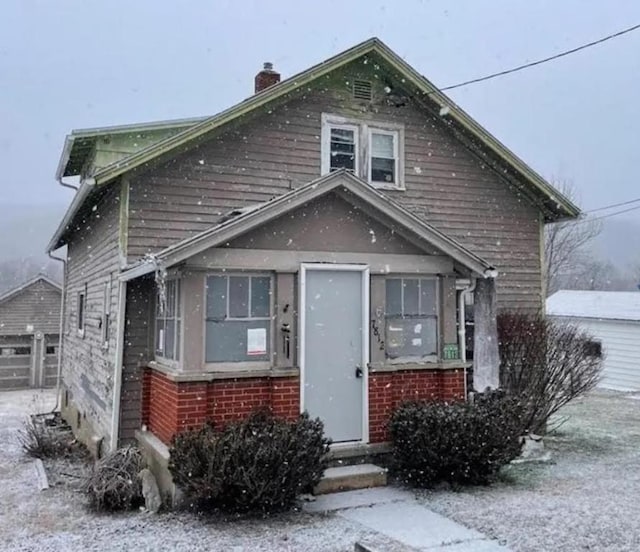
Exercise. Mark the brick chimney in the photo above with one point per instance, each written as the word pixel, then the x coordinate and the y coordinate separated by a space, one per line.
pixel 266 78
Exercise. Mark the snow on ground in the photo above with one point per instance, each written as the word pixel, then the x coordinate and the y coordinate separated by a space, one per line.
pixel 55 519
pixel 586 500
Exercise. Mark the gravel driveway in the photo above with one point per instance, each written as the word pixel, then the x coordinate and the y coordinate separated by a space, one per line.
pixel 588 499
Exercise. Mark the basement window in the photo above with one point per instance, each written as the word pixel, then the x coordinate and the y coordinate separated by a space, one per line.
pixel 238 324
pixel 411 318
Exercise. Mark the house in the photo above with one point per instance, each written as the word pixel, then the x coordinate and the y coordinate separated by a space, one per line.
pixel 612 318
pixel 29 334
pixel 310 248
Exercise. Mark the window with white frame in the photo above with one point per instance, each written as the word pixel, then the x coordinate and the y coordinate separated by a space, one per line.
pixel 238 318
pixel 168 321
pixel 411 318
pixel 383 157
pixel 370 150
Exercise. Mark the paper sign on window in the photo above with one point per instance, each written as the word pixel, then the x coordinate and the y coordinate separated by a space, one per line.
pixel 256 341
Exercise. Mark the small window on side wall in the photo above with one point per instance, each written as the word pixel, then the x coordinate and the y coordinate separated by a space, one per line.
pixel 81 309
pixel 411 318
pixel 238 318
pixel 168 321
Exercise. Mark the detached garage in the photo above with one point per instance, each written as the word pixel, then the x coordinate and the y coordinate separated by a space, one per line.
pixel 613 319
pixel 29 330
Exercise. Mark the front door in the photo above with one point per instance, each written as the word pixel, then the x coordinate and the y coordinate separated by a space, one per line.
pixel 334 348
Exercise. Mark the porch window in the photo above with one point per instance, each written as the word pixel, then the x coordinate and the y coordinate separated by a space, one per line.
pixel 238 318
pixel 411 318
pixel 168 321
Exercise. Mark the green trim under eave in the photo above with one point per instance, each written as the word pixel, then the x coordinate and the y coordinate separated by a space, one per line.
pixel 123 229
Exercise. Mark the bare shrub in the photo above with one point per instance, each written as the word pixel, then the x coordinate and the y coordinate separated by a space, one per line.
pixel 48 436
pixel 114 483
pixel 546 364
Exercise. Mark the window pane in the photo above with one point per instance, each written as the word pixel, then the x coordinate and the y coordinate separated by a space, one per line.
pixel 238 296
pixel 411 337
pixel 394 297
pixel 410 296
pixel 227 341
pixel 177 341
pixel 343 149
pixel 382 145
pixel 217 297
pixel 169 339
pixel 170 287
pixel 260 300
pixel 383 170
pixel 160 337
pixel 427 297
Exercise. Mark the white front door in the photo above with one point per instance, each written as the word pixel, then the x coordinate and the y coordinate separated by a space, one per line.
pixel 334 301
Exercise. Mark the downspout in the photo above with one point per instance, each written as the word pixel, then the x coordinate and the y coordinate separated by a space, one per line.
pixel 462 331
pixel 63 304
pixel 117 369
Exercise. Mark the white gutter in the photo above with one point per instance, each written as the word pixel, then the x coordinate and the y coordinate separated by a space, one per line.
pixel 117 365
pixel 81 194
pixel 462 331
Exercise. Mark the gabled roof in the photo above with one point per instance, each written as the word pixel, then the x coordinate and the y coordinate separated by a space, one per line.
pixel 342 182
pixel 554 205
pixel 22 287
pixel 80 143
pixel 606 305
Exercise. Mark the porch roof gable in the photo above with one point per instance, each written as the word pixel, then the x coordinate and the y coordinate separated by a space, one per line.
pixel 341 182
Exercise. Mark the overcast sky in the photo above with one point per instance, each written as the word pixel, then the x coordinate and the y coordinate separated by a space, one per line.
pixel 68 64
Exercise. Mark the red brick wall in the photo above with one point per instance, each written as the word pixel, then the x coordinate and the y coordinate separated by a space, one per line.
pixel 169 407
pixel 388 389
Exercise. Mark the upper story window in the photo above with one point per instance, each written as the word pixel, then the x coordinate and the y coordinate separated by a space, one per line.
pixel 168 321
pixel 370 150
pixel 238 318
pixel 411 318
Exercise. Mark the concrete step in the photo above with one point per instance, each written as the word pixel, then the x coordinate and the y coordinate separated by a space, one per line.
pixel 349 478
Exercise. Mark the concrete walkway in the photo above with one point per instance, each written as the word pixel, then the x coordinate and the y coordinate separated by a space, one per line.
pixel 403 522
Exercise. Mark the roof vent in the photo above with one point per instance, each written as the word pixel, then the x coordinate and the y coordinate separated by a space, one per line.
pixel 362 90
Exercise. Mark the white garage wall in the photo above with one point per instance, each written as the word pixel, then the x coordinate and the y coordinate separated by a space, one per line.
pixel 621 344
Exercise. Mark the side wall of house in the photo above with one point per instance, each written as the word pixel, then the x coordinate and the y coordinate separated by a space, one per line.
pixel 280 149
pixel 87 359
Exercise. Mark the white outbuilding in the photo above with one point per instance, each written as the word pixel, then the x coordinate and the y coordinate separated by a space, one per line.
pixel 613 319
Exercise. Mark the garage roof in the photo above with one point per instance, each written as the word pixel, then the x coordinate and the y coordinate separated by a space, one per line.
pixel 606 305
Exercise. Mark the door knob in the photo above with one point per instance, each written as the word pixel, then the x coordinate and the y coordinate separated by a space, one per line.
pixel 358 372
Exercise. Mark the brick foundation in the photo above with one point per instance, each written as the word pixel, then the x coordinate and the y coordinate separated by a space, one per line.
pixel 169 407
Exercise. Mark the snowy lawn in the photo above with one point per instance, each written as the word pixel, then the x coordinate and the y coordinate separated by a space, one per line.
pixel 588 499
pixel 56 519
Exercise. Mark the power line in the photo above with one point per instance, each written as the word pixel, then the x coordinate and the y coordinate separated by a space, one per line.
pixel 541 61
pixel 606 207
pixel 582 221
